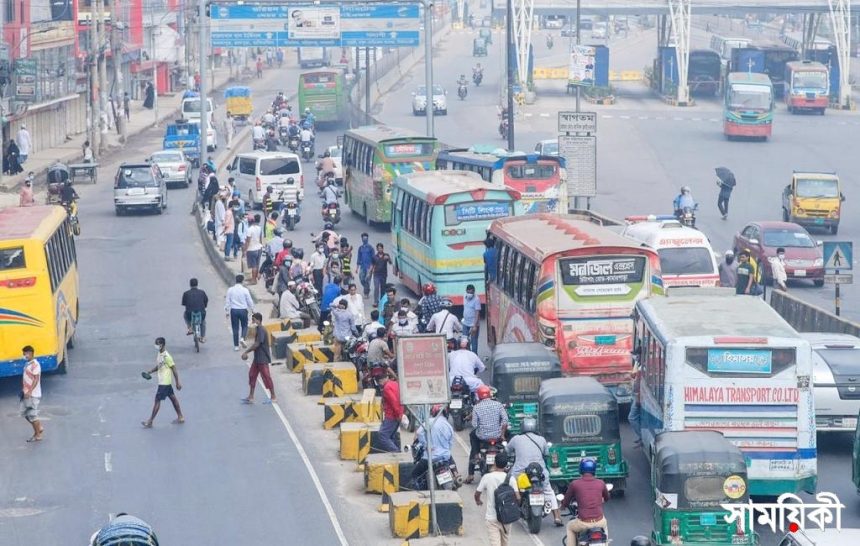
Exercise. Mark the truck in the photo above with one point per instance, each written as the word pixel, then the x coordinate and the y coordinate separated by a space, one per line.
pixel 813 199
pixel 313 56
pixel 184 135
pixel 764 59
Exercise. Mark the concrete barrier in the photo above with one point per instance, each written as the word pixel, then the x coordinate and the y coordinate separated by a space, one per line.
pixel 805 317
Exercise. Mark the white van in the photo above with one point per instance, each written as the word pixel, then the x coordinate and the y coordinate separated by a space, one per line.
pixel 255 171
pixel 686 256
pixel 836 371
pixel 828 537
pixel 191 109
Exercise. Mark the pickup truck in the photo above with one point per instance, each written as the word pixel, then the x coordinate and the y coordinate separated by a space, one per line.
pixel 184 136
pixel 813 199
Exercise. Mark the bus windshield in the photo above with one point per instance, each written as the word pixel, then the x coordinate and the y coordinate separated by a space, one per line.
pixel 817 188
pixel 531 172
pixel 458 213
pixel 810 80
pixel 685 261
pixel 12 258
pixel 749 97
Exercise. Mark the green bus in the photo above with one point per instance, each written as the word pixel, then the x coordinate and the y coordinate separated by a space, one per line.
pixel 373 157
pixel 323 91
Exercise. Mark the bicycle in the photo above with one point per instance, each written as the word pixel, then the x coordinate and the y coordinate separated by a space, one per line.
pixel 196 327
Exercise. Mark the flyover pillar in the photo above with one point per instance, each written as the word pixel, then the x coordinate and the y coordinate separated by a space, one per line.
pixel 679 12
pixel 840 19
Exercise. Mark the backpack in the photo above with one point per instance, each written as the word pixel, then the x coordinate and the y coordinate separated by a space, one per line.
pixel 507 507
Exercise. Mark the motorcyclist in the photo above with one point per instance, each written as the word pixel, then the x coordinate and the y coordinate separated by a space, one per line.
pixel 129 529
pixel 195 300
pixel 684 200
pixel 309 118
pixel 284 121
pixel 68 195
pixel 444 322
pixel 294 128
pixel 489 422
pixel 478 69
pixel 329 194
pixel 328 236
pixel 307 137
pixel 549 41
pixel 271 142
pixel 325 166
pixel 442 435
pixel 466 364
pixel 429 304
pixel 289 307
pixel 258 133
pixel 462 81
pixel 530 447
pixel 269 118
pixel 589 493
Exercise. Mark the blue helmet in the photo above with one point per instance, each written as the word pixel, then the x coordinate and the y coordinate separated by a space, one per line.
pixel 587 466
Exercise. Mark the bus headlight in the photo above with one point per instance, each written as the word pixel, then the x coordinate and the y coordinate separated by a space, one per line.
pixel 548 331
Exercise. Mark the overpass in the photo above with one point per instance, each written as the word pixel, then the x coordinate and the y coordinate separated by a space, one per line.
pixel 680 13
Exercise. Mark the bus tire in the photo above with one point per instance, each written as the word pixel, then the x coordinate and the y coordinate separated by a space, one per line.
pixel 366 217
pixel 63 367
pixel 70 344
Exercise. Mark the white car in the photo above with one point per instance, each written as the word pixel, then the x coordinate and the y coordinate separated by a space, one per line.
pixel 547 147
pixel 175 167
pixel 440 100
pixel 336 152
pixel 600 30
pixel 830 536
pixel 836 380
pixel 211 136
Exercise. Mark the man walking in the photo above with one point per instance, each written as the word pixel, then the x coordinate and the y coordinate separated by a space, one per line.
pixel 25 196
pixel 365 263
pixel 498 532
pixel 392 414
pixel 167 373
pixel 260 364
pixel 237 304
pixel 380 271
pixel 254 247
pixel 25 144
pixel 31 393
pixel 729 270
pixel 471 317
pixel 726 185
pixel 126 106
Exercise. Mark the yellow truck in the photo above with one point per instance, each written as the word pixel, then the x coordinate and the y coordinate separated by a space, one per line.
pixel 813 199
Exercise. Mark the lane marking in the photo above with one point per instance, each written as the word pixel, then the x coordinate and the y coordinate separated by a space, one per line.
pixel 108 461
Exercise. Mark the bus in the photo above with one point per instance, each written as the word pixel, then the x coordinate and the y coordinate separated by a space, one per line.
pixel 713 361
pixel 686 256
pixel 724 45
pixel 323 92
pixel 705 70
pixel 438 228
pixel 38 287
pixel 807 87
pixel 748 106
pixel 570 283
pixel 373 157
pixel 541 180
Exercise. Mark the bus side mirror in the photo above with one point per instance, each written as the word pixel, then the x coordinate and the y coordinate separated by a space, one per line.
pixel 842 197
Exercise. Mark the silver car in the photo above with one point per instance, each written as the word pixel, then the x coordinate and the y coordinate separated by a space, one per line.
pixel 175 167
pixel 836 380
pixel 440 100
pixel 139 186
pixel 547 147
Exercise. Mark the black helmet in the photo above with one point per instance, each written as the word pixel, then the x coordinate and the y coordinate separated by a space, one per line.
pixel 125 530
pixel 329 226
pixel 288 243
pixel 298 253
pixel 327 154
pixel 640 540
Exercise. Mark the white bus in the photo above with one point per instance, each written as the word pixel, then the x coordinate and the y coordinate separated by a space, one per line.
pixel 731 364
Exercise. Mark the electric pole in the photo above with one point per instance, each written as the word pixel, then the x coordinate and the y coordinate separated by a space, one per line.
pixel 202 57
pixel 103 89
pixel 116 45
pixel 95 111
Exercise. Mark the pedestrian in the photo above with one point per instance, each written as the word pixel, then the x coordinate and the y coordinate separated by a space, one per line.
pixel 219 215
pixel 228 228
pixel 471 317
pixel 318 261
pixel 126 106
pixel 227 129
pixel 167 375
pixel 406 305
pixel 400 325
pixel 279 55
pixel 729 270
pixel 388 305
pixel 380 271
pixel 346 259
pixel 254 247
pixel 25 144
pixel 89 157
pixel 31 393
pixel 490 259
pixel 329 293
pixel 343 325
pixel 777 270
pixel 498 532
pixel 197 80
pixel 11 160
pixel 267 201
pixel 259 67
pixel 25 196
pixel 364 259
pixel 726 184
pixel 373 328
pixel 149 96
pixel 241 222
pixel 260 364
pixel 237 305
pixel 393 414
pixel 356 303
pixel 745 274
pixel 634 416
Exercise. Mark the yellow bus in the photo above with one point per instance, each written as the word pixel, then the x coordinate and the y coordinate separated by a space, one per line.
pixel 38 287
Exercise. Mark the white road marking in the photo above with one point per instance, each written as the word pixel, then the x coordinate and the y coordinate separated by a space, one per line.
pixel 624 117
pixel 544 115
pixel 108 461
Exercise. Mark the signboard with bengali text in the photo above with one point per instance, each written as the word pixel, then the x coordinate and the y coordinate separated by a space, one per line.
pixel 423 369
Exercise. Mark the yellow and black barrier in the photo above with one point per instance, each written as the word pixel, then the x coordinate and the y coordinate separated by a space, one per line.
pixel 337 411
pixel 379 465
pixel 409 515
pixel 300 355
pixel 389 487
pixel 356 440
pixel 314 377
pixel 332 386
pixel 369 408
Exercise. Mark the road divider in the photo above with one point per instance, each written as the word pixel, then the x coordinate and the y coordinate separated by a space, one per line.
pixel 380 468
pixel 805 317
pixel 317 374
pixel 357 438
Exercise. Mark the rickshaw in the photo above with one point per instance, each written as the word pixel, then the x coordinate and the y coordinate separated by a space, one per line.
pixel 580 417
pixel 518 369
pixel 84 172
pixel 238 102
pixel 487 35
pixel 57 175
pixel 479 47
pixel 693 473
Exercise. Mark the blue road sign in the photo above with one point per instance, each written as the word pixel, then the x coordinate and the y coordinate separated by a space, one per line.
pixel 315 25
pixel 839 255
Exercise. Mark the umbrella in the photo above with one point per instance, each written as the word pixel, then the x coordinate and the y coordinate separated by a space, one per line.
pixel 726 176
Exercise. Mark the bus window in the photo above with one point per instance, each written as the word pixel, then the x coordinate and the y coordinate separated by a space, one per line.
pixel 530 172
pixel 530 293
pixel 12 258
pixel 518 278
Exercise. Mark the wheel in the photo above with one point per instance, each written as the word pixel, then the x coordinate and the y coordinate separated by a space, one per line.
pixel 790 109
pixel 314 312
pixel 119 211
pixel 291 223
pixel 821 112
pixel 159 208
pixel 443 112
pixel 164 201
pixel 784 215
pixel 534 524
pixel 458 420
pixel 834 229
pixel 76 228
pixel 63 367
pixel 71 343
pixel 617 493
pixel 818 283
pixel 415 112
pixel 366 217
pixel 196 342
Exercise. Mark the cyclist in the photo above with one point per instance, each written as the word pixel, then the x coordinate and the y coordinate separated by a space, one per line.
pixel 195 301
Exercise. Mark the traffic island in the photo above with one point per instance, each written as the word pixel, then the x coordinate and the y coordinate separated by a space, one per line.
pixel 409 514
pixel 387 471
pixel 340 376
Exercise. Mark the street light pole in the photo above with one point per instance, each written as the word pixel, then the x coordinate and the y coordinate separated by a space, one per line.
pixel 102 71
pixel 201 59
pixel 428 66
pixel 509 32
pixel 152 59
pixel 95 111
pixel 117 72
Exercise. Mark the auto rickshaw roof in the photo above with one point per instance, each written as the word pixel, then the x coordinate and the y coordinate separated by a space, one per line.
pixel 516 356
pixel 673 451
pixel 578 390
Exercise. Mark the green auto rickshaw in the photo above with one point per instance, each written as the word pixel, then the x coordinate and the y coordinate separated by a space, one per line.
pixel 580 417
pixel 518 369
pixel 487 35
pixel 694 473
pixel 479 47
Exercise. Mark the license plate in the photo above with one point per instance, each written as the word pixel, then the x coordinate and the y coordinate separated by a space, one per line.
pixel 819 220
pixel 310 301
pixel 456 403
pixel 536 499
pixel 291 212
pixel 799 272
pixel 491 459
pixel 135 191
pixel 444 477
pixel 708 519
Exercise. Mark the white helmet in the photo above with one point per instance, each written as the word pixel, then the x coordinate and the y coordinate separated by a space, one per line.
pixel 685 189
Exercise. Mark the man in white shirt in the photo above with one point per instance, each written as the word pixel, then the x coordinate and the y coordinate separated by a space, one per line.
pixel 498 532
pixel 444 322
pixel 289 307
pixel 371 329
pixel 466 364
pixel 31 393
pixel 24 144
pixel 258 133
pixel 237 305
pixel 254 247
pixel 306 135
pixel 355 304
pixel 317 262
pixel 777 268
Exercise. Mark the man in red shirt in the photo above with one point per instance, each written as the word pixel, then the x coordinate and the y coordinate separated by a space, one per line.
pixel 392 414
pixel 590 494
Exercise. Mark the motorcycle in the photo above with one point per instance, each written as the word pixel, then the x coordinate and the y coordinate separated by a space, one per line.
pixel 292 216
pixel 308 300
pixel 460 406
pixel 549 42
pixel 477 78
pixel 267 270
pixel 447 476
pixel 72 211
pixel 283 135
pixel 503 128
pixel 462 91
pixel 533 504
pixel 259 144
pixel 487 455
pixel 307 152
pixel 355 349
pixel 293 144
pixel 687 216
pixel 371 374
pixel 331 213
pixel 595 536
